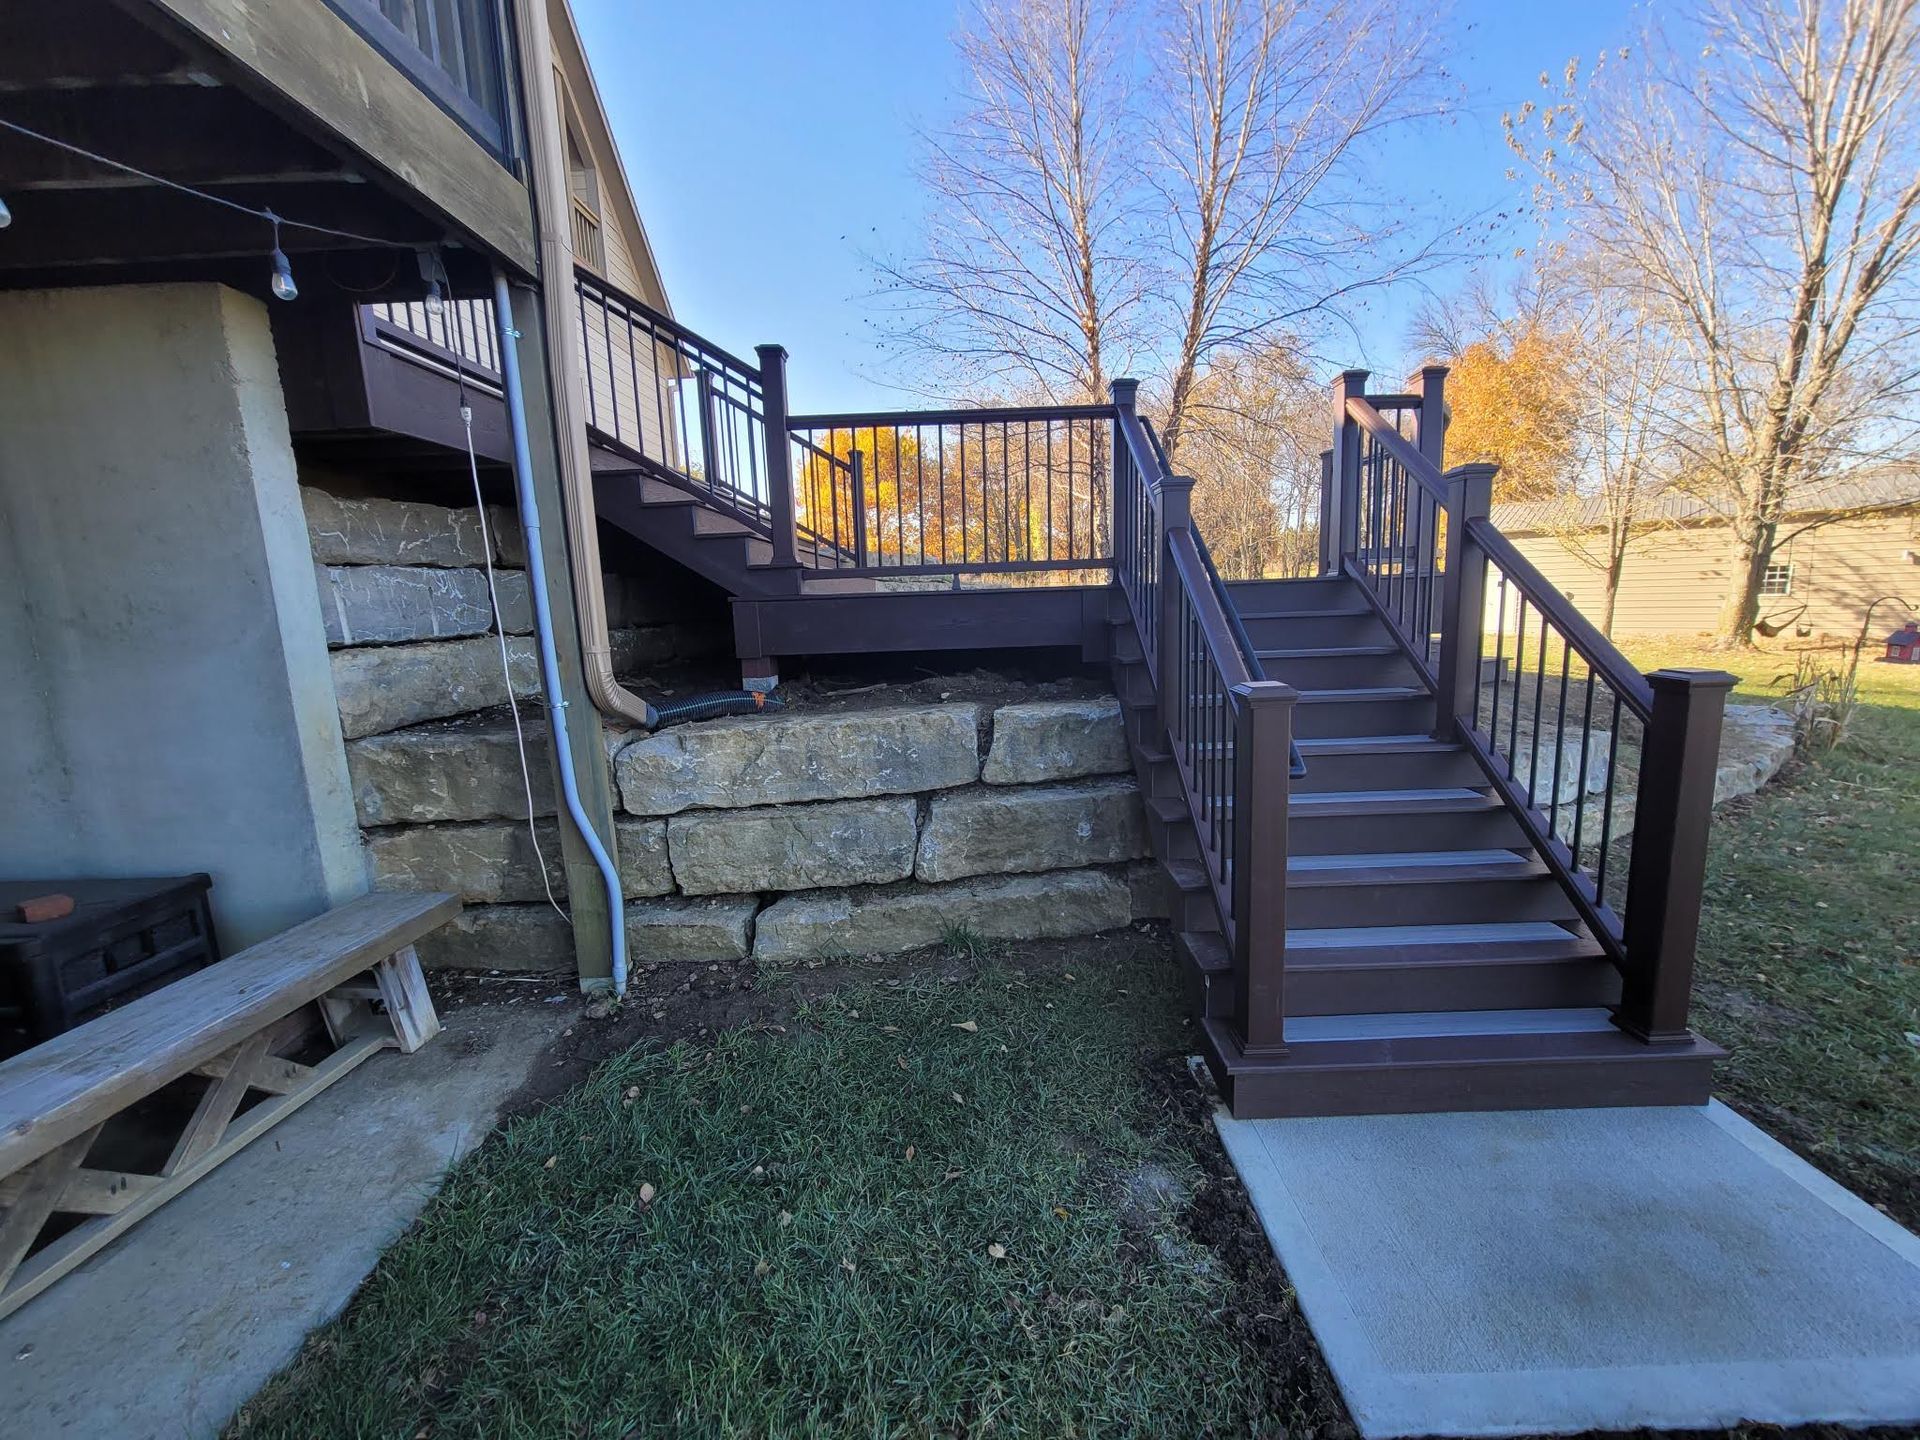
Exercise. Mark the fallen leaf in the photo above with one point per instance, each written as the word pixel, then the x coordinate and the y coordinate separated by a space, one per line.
pixel 1913 1040
pixel 967 1025
pixel 646 1193
pixel 551 1161
pixel 761 1267
pixel 911 1152
pixel 847 1264
pixel 952 1175
pixel 901 1061
pixel 786 1218
pixel 1061 1211
pixel 997 1251
pixel 633 1092
pixel 1066 975
pixel 956 1098
pixel 889 1029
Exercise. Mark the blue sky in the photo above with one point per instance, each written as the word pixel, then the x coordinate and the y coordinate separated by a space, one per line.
pixel 771 144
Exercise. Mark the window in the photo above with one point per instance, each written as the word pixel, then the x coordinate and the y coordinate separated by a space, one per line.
pixel 1777 580
pixel 452 49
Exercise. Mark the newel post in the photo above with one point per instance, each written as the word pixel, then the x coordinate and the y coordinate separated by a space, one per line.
pixel 1262 740
pixel 1176 513
pixel 1345 487
pixel 1463 597
pixel 779 451
pixel 1433 415
pixel 1666 877
pixel 1329 538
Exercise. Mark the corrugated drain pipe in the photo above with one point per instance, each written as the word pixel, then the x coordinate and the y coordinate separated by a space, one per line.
pixel 543 627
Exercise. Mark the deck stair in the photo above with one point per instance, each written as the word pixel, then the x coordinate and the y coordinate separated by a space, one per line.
pixel 1435 956
pixel 1391 888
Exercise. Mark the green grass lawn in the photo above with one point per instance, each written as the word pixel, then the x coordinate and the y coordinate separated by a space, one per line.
pixel 1809 968
pixel 995 1207
pixel 925 1210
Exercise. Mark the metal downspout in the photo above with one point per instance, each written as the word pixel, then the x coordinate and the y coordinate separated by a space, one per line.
pixel 543 626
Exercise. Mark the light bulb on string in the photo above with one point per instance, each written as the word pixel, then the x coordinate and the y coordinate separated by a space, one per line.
pixel 283 285
pixel 6 215
pixel 436 301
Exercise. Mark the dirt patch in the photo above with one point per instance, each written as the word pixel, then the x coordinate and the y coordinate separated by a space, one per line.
pixel 669 1003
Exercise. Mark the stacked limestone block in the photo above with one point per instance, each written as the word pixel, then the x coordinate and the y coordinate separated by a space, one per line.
pixel 787 837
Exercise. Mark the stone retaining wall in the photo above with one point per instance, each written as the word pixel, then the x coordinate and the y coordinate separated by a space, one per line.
pixel 782 837
pixel 403 591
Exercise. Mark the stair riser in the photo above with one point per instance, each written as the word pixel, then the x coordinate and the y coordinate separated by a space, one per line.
pixel 1408 830
pixel 1363 717
pixel 1389 770
pixel 1258 595
pixel 1172 840
pixel 1400 1089
pixel 1340 672
pixel 1417 988
pixel 1298 632
pixel 1469 902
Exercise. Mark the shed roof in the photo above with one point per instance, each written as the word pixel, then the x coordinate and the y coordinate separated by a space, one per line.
pixel 1883 487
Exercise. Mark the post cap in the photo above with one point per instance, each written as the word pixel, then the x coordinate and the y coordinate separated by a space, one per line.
pixel 1123 391
pixel 1682 678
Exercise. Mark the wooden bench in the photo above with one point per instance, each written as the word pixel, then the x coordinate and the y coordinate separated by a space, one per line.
pixel 228 1032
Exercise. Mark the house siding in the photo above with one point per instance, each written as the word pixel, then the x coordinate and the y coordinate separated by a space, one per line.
pixel 1674 582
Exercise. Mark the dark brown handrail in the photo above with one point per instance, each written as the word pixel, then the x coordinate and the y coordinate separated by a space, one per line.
pixel 1395 444
pixel 1593 647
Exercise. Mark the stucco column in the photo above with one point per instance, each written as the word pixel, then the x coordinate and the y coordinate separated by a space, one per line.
pixel 168 703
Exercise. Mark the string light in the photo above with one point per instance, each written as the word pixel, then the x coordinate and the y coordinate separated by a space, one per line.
pixel 283 284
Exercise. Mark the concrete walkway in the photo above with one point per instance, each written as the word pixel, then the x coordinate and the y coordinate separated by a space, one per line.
pixel 1567 1270
pixel 168 1330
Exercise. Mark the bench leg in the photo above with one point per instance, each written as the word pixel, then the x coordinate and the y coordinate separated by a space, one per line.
pixel 403 989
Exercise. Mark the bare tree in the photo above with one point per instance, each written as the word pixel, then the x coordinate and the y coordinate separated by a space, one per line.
pixel 1628 450
pixel 1263 111
pixel 1765 198
pixel 1030 278
pixel 1142 184
pixel 1255 425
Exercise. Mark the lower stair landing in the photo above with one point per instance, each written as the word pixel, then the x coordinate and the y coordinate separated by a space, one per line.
pixel 1566 1271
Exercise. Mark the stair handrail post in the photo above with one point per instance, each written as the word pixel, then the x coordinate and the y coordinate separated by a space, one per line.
pixel 709 427
pixel 1125 395
pixel 1433 415
pixel 857 481
pixel 1666 877
pixel 1263 732
pixel 1463 597
pixel 1176 514
pixel 1329 532
pixel 1351 385
pixel 779 451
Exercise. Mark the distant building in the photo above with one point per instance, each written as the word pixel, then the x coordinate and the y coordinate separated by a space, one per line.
pixel 1820 581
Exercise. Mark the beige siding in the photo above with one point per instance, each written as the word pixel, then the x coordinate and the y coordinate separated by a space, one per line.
pixel 1675 581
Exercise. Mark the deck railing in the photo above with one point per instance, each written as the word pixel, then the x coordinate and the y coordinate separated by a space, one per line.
pixel 1610 772
pixel 1016 491
pixel 1229 730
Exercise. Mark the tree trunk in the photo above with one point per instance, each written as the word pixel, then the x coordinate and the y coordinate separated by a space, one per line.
pixel 1615 568
pixel 1752 547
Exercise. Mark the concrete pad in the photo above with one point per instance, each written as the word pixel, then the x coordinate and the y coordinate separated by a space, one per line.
pixel 1569 1270
pixel 170 1329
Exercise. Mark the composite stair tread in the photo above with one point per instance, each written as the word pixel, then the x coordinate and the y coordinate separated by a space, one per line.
pixel 1298 613
pixel 1374 744
pixel 1489 1035
pixel 1448 798
pixel 1412 867
pixel 1393 947
pixel 1364 692
pixel 1325 652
